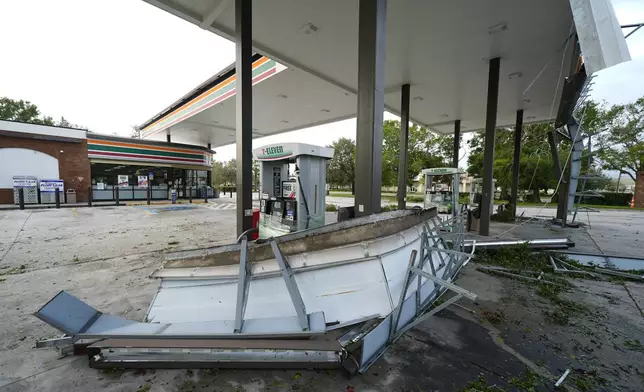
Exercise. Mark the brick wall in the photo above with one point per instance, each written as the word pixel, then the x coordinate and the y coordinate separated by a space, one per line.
pixel 639 190
pixel 73 163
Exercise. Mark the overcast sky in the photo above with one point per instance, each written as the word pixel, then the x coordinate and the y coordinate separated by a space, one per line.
pixel 108 65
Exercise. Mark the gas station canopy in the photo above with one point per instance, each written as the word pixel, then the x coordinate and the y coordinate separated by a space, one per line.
pixel 441 48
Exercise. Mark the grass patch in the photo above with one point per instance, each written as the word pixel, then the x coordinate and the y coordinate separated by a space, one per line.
pixel 564 309
pixel 480 385
pixel 587 381
pixel 415 199
pixel 188 386
pixel 494 317
pixel 330 208
pixel 114 370
pixel 528 382
pixel 634 345
pixel 14 271
pixel 518 258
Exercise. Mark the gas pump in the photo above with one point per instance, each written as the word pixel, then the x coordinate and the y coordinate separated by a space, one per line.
pixel 476 194
pixel 439 195
pixel 292 187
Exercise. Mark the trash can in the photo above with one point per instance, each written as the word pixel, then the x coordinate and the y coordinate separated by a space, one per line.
pixel 71 196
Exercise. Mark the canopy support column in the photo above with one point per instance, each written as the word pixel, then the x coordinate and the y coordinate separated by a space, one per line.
pixel 518 132
pixel 404 141
pixel 371 105
pixel 457 143
pixel 244 113
pixel 488 153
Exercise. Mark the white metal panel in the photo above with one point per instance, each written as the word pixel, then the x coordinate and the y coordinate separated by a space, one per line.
pixel 346 292
pixel 600 35
pixel 198 303
pixel 25 162
pixel 336 291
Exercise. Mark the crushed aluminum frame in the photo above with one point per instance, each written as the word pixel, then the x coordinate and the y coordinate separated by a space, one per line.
pixel 399 296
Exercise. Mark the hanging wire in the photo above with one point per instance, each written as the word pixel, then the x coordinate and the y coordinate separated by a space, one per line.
pixel 552 105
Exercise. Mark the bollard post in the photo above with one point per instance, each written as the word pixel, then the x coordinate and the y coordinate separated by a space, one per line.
pixel 89 196
pixel 57 192
pixel 190 194
pixel 149 192
pixel 205 190
pixel 21 198
pixel 117 196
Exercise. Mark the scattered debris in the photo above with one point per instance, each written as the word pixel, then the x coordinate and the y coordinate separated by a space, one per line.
pixel 209 338
pixel 634 345
pixel 14 271
pixel 562 378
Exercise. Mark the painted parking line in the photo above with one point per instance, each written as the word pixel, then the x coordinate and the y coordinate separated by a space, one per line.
pixel 148 210
pixel 222 206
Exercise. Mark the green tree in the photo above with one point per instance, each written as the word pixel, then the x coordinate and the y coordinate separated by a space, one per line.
pixel 255 174
pixel 23 111
pixel 424 150
pixel 224 173
pixel 621 148
pixel 217 174
pixel 342 168
pixel 536 167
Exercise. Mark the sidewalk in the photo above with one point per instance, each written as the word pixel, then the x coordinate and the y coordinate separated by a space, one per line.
pixel 109 203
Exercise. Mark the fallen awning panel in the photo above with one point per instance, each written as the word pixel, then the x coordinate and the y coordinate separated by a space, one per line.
pixel 78 319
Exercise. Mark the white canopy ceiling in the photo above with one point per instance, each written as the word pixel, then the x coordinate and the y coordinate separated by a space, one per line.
pixel 441 48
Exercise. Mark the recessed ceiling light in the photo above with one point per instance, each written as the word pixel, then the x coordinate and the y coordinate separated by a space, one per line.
pixel 497 28
pixel 309 28
pixel 515 75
